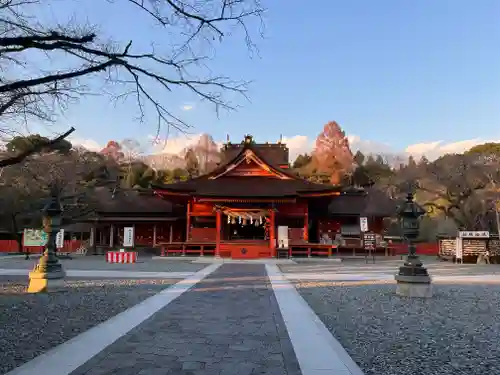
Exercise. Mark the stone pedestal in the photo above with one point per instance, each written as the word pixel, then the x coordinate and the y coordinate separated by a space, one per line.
pixel 46 277
pixel 41 284
pixel 414 286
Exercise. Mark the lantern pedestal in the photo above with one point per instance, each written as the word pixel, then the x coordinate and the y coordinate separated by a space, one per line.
pixel 40 283
pixel 46 276
pixel 413 279
pixel 414 286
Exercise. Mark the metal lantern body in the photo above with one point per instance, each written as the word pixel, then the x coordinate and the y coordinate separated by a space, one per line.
pixel 48 274
pixel 409 214
pixel 413 279
pixel 49 263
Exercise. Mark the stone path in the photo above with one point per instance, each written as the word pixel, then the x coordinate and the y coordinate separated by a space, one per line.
pixel 236 319
pixel 229 323
pixel 385 271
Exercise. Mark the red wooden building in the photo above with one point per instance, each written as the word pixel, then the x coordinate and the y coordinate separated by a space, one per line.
pixel 237 210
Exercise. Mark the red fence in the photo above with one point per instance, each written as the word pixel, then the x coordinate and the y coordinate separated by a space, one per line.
pixel 10 246
pixel 431 248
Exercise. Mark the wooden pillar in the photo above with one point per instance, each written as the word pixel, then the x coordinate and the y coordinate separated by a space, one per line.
pixel 272 228
pixel 188 221
pixel 306 224
pixel 93 239
pixel 171 234
pixel 154 235
pixel 217 233
pixel 111 235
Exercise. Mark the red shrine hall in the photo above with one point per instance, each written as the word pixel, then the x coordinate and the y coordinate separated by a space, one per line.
pixel 251 206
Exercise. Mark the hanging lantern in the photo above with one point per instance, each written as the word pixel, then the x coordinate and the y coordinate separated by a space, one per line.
pixel 239 219
pixel 228 219
pixel 251 220
pixel 256 223
pixel 260 220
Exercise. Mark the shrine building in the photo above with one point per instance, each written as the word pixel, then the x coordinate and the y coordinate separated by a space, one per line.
pixel 253 206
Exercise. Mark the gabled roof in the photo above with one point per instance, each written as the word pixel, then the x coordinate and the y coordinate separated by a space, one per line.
pixel 276 154
pixel 109 201
pixel 248 175
pixel 374 203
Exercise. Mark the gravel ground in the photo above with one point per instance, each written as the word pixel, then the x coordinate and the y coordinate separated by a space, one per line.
pixel 32 324
pixel 456 332
pixel 99 263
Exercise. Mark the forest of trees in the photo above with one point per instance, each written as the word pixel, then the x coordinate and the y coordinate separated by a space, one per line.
pixel 458 190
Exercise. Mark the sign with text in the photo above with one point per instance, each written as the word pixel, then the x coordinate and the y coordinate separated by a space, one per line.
pixel 363 224
pixel 369 241
pixel 60 239
pixel 34 237
pixel 474 234
pixel 283 236
pixel 128 237
pixel 459 250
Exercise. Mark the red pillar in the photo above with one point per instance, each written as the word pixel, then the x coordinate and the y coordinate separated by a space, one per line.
pixel 272 241
pixel 306 224
pixel 188 221
pixel 217 233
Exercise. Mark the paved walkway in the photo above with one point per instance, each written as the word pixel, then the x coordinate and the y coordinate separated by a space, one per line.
pixel 228 324
pixel 230 319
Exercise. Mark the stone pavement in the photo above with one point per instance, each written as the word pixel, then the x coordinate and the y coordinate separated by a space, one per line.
pixel 229 323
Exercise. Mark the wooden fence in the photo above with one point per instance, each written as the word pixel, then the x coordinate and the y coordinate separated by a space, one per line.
pixel 11 246
pixel 431 248
pixel 470 247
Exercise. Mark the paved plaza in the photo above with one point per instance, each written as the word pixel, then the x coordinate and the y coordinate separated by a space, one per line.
pixel 308 318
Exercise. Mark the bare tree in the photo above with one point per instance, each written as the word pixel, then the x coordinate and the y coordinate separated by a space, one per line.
pixel 32 86
pixel 457 185
pixel 488 163
pixel 19 198
pixel 131 149
pixel 70 177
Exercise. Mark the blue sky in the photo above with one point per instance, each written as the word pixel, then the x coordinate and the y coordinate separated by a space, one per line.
pixel 388 71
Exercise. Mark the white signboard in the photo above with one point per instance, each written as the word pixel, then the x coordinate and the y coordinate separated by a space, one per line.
pixel 60 239
pixel 363 224
pixel 474 234
pixel 34 237
pixel 128 237
pixel 459 248
pixel 283 236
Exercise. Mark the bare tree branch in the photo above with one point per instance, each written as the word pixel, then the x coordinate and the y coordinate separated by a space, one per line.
pixel 28 91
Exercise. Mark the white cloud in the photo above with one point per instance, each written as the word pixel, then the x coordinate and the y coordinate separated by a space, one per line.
pixel 187 107
pixel 367 146
pixel 435 149
pixel 173 145
pixel 299 144
pixel 89 144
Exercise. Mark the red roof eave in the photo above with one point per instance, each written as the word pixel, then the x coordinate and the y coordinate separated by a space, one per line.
pixel 171 193
pixel 246 200
pixel 319 194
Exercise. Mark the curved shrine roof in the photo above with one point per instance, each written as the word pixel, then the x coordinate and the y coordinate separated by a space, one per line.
pixel 248 175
